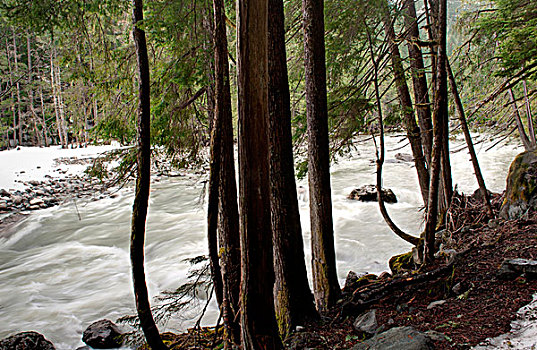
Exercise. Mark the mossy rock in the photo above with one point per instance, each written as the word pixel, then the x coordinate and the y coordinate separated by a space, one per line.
pixel 401 263
pixel 521 191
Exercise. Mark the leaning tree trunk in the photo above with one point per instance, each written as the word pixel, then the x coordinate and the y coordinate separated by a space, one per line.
pixel 440 113
pixel 419 79
pixel 326 288
pixel 409 120
pixel 139 210
pixel 293 298
pixel 468 138
pixel 528 146
pixel 258 322
pixel 229 241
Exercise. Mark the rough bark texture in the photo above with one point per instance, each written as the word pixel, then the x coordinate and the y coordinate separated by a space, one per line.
pixel 468 138
pixel 325 283
pixel 258 323
pixel 409 120
pixel 440 113
pixel 293 298
pixel 139 210
pixel 228 223
pixel 419 80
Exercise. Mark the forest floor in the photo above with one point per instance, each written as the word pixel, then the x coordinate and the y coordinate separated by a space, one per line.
pixel 474 303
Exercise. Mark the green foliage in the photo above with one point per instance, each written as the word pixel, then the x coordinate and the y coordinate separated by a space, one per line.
pixel 512 27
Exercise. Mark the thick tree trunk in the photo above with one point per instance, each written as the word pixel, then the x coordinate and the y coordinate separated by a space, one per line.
pixel 139 210
pixel 419 80
pixel 468 138
pixel 440 113
pixel 228 210
pixel 326 288
pixel 293 298
pixel 409 120
pixel 258 322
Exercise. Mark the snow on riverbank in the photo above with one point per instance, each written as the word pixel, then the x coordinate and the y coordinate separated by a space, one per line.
pixel 33 163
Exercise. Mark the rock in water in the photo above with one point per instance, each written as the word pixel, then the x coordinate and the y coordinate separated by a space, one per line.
pixel 405 157
pixel 521 192
pixel 26 341
pixel 398 338
pixel 103 334
pixel 368 193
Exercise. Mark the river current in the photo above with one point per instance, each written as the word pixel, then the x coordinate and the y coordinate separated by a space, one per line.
pixel 58 274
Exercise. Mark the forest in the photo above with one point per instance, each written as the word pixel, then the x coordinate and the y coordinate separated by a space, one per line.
pixel 263 92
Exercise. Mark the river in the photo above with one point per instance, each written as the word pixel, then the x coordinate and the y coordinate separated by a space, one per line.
pixel 58 274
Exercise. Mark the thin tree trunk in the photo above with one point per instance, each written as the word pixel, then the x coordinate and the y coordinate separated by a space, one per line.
pixel 380 158
pixel 439 116
pixel 55 99
pixel 293 298
pixel 43 115
pixel 409 120
pixel 139 210
pixel 419 80
pixel 13 108
pixel 61 107
pixel 31 92
pixel 531 127
pixel 326 287
pixel 16 69
pixel 258 322
pixel 227 199
pixel 468 138
pixel 523 136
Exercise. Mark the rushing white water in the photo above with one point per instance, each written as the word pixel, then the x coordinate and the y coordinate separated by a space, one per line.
pixel 58 273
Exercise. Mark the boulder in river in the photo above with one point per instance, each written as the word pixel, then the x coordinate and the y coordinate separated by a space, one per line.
pixel 368 193
pixel 521 192
pixel 396 339
pixel 103 334
pixel 26 341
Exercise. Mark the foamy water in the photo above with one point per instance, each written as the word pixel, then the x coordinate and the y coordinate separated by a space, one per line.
pixel 58 273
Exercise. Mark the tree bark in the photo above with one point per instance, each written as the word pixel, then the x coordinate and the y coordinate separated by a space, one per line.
pixel 468 138
pixel 523 136
pixel 18 90
pixel 293 298
pixel 419 80
pixel 258 322
pixel 326 287
pixel 55 98
pixel 409 120
pixel 13 107
pixel 439 117
pixel 531 127
pixel 139 210
pixel 228 210
pixel 43 115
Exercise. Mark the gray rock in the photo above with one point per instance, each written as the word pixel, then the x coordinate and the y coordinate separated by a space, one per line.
pixel 520 194
pixel 512 268
pixel 26 341
pixel 368 193
pixel 366 322
pixel 17 200
pixel 399 338
pixel 405 157
pixel 435 304
pixel 3 205
pixel 103 334
pixel 4 193
pixel 36 201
